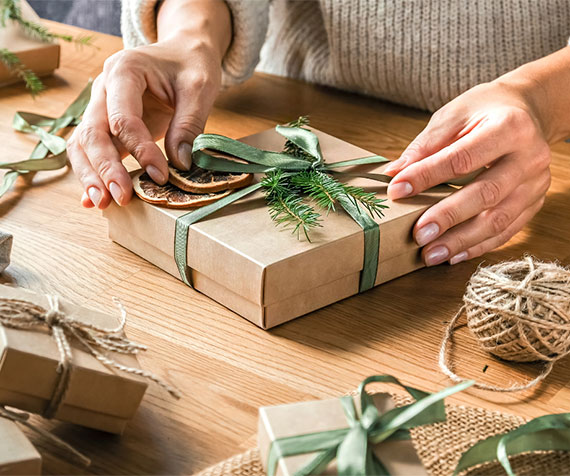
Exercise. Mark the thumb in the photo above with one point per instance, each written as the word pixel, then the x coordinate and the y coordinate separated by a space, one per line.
pixel 187 123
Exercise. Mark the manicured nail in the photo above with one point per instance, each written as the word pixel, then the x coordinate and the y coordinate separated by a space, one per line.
pixel 116 192
pixel 426 234
pixel 458 258
pixel 156 175
pixel 185 155
pixel 437 255
pixel 94 195
pixel 400 190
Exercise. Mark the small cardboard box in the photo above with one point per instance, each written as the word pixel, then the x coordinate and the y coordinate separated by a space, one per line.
pixel 97 397
pixel 42 58
pixel 241 259
pixel 282 421
pixel 5 250
pixel 17 455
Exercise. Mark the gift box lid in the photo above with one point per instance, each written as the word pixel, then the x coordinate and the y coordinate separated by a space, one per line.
pixel 17 454
pixel 241 249
pixel 282 421
pixel 29 359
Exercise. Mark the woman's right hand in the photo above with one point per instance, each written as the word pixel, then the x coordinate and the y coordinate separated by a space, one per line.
pixel 142 94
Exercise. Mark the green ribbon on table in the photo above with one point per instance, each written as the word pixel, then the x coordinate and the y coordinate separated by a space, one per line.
pixel 50 152
pixel 353 446
pixel 545 433
pixel 263 161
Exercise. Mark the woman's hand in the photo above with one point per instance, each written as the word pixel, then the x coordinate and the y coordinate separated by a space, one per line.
pixel 490 127
pixel 168 87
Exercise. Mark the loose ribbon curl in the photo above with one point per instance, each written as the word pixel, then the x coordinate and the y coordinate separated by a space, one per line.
pixel 263 161
pixel 352 446
pixel 20 314
pixel 49 153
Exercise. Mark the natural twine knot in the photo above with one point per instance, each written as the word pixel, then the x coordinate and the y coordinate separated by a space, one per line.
pixel 518 311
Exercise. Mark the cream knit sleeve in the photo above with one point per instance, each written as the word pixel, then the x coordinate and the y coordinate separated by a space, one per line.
pixel 249 26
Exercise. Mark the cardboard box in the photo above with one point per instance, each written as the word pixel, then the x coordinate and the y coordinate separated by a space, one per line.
pixel 241 259
pixel 97 397
pixel 282 421
pixel 42 58
pixel 17 455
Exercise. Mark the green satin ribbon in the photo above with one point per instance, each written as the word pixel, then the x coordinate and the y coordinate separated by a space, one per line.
pixel 545 433
pixel 263 161
pixel 353 446
pixel 50 152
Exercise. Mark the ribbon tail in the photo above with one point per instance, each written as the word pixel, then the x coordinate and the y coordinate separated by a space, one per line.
pixel 34 165
pixel 318 464
pixel 8 180
pixel 376 466
pixel 184 222
pixel 377 177
pixel 353 458
pixel 373 159
pixel 371 242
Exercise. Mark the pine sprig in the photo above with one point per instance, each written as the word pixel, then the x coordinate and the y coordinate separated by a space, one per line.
pixel 286 205
pixel 17 68
pixel 322 188
pixel 292 148
pixel 369 200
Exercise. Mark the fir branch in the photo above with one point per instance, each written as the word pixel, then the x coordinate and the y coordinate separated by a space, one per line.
pixel 17 68
pixel 286 206
pixel 321 187
pixel 369 200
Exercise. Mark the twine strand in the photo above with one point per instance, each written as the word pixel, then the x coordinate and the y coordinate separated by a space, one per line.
pixel 20 314
pixel 518 311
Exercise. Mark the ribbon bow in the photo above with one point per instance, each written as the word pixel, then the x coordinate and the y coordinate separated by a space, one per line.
pixel 20 314
pixel 263 161
pixel 353 446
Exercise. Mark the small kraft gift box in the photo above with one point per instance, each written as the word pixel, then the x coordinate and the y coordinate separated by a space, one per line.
pixel 17 455
pixel 238 257
pixel 40 57
pixel 52 362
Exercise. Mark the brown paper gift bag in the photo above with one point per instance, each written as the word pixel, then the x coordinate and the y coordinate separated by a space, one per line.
pixel 17 455
pixel 241 259
pixel 42 58
pixel 95 396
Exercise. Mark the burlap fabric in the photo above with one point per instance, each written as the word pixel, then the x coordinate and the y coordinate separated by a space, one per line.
pixel 440 446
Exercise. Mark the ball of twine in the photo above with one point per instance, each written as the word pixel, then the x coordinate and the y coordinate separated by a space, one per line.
pixel 518 311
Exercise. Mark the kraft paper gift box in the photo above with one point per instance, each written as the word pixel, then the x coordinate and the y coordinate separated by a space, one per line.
pixel 42 58
pixel 283 421
pixel 5 249
pixel 17 455
pixel 241 259
pixel 96 397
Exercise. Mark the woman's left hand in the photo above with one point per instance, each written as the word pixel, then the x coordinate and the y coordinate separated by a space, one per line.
pixel 490 127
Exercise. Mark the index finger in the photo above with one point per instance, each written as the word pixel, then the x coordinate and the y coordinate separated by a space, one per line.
pixel 124 112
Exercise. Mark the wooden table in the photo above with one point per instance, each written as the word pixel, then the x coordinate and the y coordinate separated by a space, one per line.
pixel 225 366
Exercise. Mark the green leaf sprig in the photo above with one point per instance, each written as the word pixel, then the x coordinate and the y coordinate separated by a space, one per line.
pixel 286 192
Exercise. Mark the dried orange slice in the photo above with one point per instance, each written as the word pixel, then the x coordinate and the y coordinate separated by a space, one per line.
pixel 197 180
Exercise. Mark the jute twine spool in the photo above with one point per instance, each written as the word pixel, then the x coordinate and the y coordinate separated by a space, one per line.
pixel 518 311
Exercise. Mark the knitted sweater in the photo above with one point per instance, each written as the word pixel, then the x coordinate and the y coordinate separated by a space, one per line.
pixel 421 53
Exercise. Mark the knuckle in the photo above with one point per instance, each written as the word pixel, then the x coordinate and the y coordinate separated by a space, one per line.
pixel 461 161
pixel 450 216
pixel 423 176
pixel 104 170
pixel 119 123
pixel 499 220
pixel 190 125
pixel 490 193
pixel 460 242
pixel 89 135
pixel 519 121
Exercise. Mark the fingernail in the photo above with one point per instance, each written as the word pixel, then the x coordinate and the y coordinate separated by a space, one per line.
pixel 116 192
pixel 426 234
pixel 185 155
pixel 458 258
pixel 437 255
pixel 155 174
pixel 400 190
pixel 94 195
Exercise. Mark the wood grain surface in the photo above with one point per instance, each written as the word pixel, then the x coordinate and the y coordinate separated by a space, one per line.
pixel 225 366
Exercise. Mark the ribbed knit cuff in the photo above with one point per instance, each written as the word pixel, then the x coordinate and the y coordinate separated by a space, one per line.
pixel 249 26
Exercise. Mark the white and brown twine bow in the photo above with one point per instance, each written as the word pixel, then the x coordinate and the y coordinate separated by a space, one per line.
pixel 20 314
